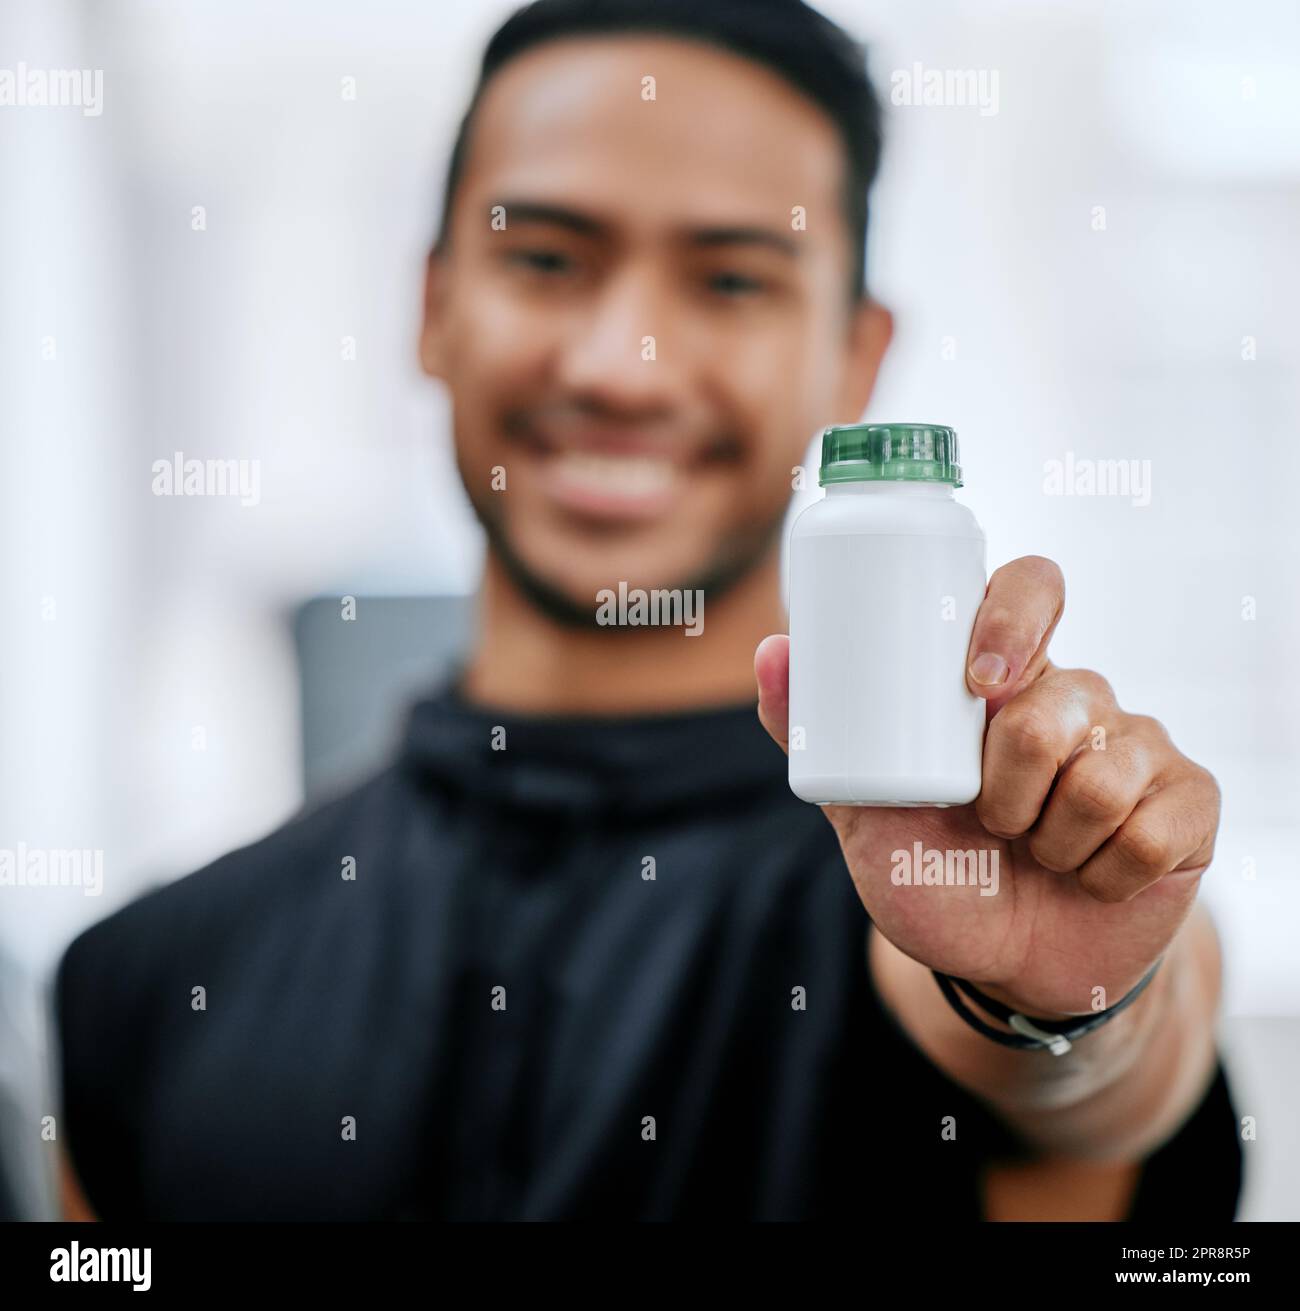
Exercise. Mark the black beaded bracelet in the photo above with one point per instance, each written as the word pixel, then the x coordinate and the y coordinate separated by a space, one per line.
pixel 1030 1034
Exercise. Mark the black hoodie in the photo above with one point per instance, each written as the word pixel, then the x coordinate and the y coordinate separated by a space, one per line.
pixel 539 968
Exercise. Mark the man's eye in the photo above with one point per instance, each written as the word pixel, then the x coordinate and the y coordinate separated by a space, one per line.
pixel 734 284
pixel 541 261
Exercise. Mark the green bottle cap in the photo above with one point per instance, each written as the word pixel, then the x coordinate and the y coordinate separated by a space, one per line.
pixel 901 452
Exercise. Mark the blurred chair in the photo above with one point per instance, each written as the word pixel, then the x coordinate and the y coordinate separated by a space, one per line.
pixel 358 676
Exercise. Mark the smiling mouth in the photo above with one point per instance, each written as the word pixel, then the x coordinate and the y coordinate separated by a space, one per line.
pixel 606 485
pixel 614 476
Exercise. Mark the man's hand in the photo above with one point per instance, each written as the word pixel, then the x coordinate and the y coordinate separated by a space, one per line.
pixel 1101 826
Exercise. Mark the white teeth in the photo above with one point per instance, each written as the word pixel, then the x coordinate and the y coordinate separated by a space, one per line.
pixel 635 475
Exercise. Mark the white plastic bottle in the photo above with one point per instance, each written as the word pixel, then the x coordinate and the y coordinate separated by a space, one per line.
pixel 887 572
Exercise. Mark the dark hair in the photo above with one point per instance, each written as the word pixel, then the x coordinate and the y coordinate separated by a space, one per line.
pixel 787 36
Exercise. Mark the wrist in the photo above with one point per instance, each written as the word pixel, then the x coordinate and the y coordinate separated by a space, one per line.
pixel 1019 1004
pixel 1093 999
pixel 1006 1014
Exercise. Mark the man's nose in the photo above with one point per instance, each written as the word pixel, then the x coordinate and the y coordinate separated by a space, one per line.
pixel 620 346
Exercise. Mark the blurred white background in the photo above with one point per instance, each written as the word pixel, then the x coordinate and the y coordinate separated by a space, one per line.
pixel 1018 321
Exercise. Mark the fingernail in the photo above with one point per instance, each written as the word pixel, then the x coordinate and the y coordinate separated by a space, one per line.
pixel 988 670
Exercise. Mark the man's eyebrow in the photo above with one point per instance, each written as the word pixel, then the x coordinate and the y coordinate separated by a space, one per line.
pixel 744 236
pixel 534 211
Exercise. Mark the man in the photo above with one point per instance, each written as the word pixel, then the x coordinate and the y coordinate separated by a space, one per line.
pixel 579 951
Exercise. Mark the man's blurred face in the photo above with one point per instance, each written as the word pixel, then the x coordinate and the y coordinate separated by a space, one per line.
pixel 647 344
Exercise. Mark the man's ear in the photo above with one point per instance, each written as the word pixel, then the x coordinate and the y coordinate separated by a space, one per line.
pixel 432 332
pixel 870 330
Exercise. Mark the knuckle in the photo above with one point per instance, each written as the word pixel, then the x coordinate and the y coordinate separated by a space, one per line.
pixel 1095 685
pixel 1148 726
pixel 1050 855
pixel 1000 810
pixel 1101 888
pixel 1030 733
pixel 1093 799
pixel 998 820
pixel 1205 787
pixel 1143 846
pixel 990 809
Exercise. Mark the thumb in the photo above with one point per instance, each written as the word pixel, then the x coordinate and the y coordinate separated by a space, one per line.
pixel 772 670
pixel 1015 623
